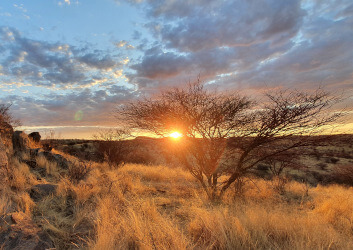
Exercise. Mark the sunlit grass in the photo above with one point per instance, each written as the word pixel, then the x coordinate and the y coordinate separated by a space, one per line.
pixel 160 207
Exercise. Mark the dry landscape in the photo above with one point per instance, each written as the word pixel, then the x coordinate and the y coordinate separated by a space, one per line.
pixel 166 124
pixel 71 203
pixel 235 178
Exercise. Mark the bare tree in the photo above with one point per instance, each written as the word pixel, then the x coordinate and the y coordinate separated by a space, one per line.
pixel 228 134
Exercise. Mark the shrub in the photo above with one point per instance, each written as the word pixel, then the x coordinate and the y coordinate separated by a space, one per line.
pixel 279 184
pixel 139 157
pixel 342 175
pixel 113 152
pixel 322 166
pixel 78 171
pixel 334 160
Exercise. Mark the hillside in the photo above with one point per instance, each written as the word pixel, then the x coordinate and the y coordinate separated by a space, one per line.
pixel 319 164
pixel 66 203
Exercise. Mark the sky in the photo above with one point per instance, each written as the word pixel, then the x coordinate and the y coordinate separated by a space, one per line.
pixel 66 65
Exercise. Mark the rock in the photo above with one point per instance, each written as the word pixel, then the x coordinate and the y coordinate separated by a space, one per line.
pixel 3 155
pixel 60 160
pixel 20 141
pixel 35 151
pixel 23 233
pixel 30 163
pixel 40 191
pixel 35 136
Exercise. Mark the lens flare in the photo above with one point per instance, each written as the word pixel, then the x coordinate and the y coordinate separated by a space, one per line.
pixel 78 115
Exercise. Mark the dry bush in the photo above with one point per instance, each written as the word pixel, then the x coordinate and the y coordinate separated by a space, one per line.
pixel 78 171
pixel 7 123
pixel 140 157
pixel 322 166
pixel 279 183
pixel 112 147
pixel 113 152
pixel 342 175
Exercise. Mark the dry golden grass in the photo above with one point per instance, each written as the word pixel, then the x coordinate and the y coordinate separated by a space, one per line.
pixel 5 203
pixel 158 207
pixel 139 224
pixel 15 182
pixel 161 217
pixel 50 167
pixel 334 205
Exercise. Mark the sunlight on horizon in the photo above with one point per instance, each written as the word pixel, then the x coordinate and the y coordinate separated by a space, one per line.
pixel 175 135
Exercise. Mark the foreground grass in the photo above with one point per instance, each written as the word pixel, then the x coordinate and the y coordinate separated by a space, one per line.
pixel 156 207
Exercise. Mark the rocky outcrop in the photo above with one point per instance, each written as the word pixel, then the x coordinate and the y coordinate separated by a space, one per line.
pixel 3 155
pixel 20 141
pixel 59 159
pixel 20 233
pixel 35 136
pixel 35 151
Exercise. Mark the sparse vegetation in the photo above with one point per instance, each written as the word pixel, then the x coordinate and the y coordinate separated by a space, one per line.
pixel 78 171
pixel 226 135
pixel 51 199
pixel 111 147
pixel 138 206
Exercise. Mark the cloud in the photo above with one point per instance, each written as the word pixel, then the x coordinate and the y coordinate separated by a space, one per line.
pixel 161 65
pixel 20 7
pixel 246 44
pixel 53 64
pixel 59 108
pixel 124 44
pixel 233 24
pixel 67 2
pixel 121 44
pixel 84 78
pixel 93 60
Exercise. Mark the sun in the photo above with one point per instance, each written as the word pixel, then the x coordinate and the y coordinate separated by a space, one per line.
pixel 175 135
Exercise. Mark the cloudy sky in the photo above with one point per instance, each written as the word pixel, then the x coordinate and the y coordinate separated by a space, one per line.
pixel 65 64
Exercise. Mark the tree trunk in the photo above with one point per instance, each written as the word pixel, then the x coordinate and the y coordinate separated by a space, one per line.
pixel 231 179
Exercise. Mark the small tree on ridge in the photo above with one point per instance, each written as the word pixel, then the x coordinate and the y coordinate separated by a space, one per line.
pixel 228 134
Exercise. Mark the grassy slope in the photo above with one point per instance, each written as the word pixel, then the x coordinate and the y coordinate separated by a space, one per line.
pixel 138 206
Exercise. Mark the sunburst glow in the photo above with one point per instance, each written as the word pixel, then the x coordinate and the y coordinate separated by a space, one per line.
pixel 175 135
